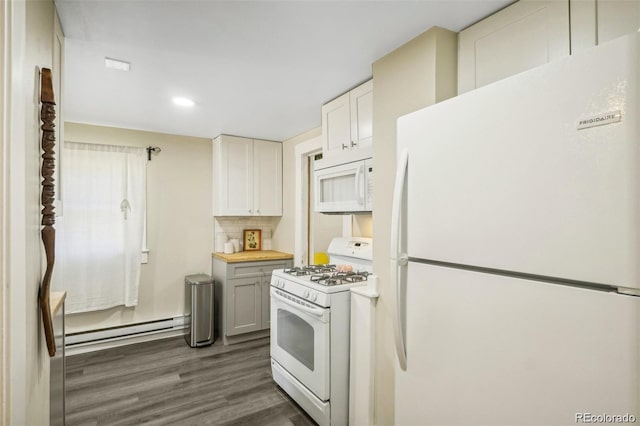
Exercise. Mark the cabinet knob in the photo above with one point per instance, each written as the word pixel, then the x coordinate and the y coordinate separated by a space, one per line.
pixel 250 210
pixel 354 144
pixel 258 211
pixel 344 146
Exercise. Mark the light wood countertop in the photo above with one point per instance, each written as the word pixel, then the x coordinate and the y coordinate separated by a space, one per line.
pixel 253 256
pixel 56 299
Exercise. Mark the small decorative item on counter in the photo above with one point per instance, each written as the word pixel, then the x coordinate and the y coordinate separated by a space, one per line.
pixel 221 239
pixel 252 239
pixel 236 244
pixel 344 268
pixel 228 247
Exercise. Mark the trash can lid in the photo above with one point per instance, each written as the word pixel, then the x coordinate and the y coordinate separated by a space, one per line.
pixel 198 279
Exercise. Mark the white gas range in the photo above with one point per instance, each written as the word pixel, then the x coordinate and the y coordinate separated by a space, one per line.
pixel 310 318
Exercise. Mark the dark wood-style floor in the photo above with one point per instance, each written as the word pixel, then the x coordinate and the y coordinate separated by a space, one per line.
pixel 165 382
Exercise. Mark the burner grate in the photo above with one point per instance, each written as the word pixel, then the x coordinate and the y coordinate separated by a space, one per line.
pixel 338 278
pixel 300 271
pixel 327 275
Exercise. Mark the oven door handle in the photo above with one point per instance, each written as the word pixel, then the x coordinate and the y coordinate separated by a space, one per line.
pixel 318 312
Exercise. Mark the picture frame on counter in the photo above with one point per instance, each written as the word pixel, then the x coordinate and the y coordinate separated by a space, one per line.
pixel 252 239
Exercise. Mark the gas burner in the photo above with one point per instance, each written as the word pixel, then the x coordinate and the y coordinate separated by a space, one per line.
pixel 356 277
pixel 300 271
pixel 296 271
pixel 337 278
pixel 319 277
pixel 323 269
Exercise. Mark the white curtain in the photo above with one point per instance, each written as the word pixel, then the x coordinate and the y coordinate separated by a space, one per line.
pixel 101 231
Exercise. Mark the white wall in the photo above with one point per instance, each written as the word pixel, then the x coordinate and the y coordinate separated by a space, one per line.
pixel 27 46
pixel 419 73
pixel 362 224
pixel 179 222
pixel 233 227
pixel 284 233
pixel 324 226
pixel 4 342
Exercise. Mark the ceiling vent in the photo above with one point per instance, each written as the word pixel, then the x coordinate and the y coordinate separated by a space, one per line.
pixel 116 64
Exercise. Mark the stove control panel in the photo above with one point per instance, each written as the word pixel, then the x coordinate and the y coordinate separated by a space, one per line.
pixel 290 285
pixel 278 282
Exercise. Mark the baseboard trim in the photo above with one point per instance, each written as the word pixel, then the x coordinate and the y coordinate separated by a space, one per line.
pixel 240 338
pixel 95 340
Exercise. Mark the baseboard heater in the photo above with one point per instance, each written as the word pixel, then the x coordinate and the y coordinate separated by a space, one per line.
pixel 129 331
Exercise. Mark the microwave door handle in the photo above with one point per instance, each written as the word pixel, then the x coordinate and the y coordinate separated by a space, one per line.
pixel 359 186
pixel 318 312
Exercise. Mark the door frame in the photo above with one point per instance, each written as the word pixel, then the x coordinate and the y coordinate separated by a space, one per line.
pixel 301 235
pixel 13 259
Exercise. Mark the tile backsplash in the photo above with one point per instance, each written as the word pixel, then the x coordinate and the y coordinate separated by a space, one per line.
pixel 232 227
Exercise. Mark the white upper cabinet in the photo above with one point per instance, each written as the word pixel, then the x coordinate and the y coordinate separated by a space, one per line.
pixel 248 177
pixel 617 18
pixel 597 21
pixel 361 108
pixel 531 33
pixel 522 36
pixel 267 178
pixel 347 123
pixel 336 128
pixel 233 173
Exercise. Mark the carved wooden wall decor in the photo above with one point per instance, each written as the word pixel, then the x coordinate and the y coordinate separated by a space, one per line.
pixel 47 116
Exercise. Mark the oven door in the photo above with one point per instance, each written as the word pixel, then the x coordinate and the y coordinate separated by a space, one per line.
pixel 300 340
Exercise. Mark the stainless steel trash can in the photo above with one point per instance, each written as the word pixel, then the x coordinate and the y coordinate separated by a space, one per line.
pixel 199 309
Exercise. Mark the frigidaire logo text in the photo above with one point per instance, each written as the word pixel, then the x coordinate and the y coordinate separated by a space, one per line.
pixel 599 120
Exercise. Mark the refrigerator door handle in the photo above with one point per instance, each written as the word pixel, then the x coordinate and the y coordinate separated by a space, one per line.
pixel 398 259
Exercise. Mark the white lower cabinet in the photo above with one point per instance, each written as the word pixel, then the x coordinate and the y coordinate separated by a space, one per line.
pixel 247 177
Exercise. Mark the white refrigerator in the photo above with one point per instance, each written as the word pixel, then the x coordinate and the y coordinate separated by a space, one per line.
pixel 516 249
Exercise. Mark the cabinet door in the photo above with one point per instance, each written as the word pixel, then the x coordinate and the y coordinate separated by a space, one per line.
pixel 522 36
pixel 267 178
pixel 617 18
pixel 244 306
pixel 595 22
pixel 234 176
pixel 361 117
pixel 336 127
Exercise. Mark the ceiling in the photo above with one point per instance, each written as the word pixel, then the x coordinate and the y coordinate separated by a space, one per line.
pixel 259 69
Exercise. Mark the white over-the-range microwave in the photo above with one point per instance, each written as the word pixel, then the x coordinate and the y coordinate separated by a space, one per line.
pixel 344 188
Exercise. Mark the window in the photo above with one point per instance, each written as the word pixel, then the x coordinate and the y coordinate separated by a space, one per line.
pixel 102 230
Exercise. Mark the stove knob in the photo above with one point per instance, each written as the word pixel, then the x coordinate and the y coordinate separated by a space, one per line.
pixel 306 294
pixel 314 296
pixel 281 284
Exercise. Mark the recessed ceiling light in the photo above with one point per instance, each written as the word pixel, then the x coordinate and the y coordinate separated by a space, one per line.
pixel 116 64
pixel 183 102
